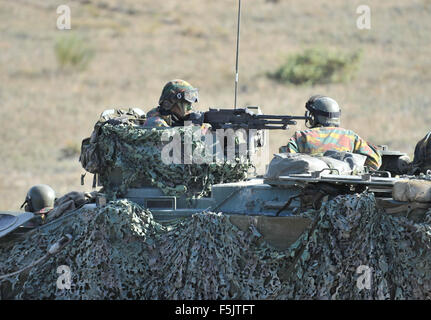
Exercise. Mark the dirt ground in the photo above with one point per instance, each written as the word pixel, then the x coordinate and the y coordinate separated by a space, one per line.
pixel 140 45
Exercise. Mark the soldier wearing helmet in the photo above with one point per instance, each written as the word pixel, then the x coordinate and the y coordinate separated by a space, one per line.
pixel 325 134
pixel 175 104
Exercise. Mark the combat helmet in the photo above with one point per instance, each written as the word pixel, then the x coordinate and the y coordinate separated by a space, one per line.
pixel 178 92
pixel 323 111
pixel 39 197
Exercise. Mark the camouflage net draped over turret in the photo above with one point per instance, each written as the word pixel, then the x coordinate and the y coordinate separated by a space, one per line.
pixel 121 252
pixel 351 235
pixel 137 152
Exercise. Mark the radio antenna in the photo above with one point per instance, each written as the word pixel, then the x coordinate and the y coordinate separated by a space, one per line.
pixel 237 53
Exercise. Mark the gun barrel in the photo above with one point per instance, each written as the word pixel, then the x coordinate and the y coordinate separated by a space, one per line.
pixel 288 121
pixel 271 116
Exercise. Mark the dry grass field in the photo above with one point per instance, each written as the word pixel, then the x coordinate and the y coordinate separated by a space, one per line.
pixel 138 45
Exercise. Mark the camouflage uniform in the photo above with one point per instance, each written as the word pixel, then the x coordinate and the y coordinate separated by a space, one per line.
pixel 155 119
pixel 320 139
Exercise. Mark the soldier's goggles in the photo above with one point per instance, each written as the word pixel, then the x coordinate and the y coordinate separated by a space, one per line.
pixel 189 95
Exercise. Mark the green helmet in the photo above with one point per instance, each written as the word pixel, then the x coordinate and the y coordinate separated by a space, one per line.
pixel 39 197
pixel 323 111
pixel 178 91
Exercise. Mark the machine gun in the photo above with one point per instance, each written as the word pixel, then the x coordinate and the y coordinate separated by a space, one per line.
pixel 243 118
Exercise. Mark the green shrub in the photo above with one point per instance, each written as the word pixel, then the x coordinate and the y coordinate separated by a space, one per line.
pixel 73 51
pixel 316 66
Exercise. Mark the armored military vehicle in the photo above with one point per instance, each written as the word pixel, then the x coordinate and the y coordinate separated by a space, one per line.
pixel 214 231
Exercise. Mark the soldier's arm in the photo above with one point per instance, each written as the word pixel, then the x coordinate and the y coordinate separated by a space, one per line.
pixel 291 147
pixel 374 159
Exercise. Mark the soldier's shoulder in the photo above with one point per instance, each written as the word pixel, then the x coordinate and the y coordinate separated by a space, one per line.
pixel 311 131
pixel 340 130
pixel 153 113
pixel 350 132
pixel 155 119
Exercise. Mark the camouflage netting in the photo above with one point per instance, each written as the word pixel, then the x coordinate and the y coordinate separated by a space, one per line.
pixel 121 252
pixel 137 152
pixel 351 232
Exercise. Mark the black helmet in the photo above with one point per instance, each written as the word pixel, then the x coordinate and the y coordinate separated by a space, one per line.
pixel 39 197
pixel 323 111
